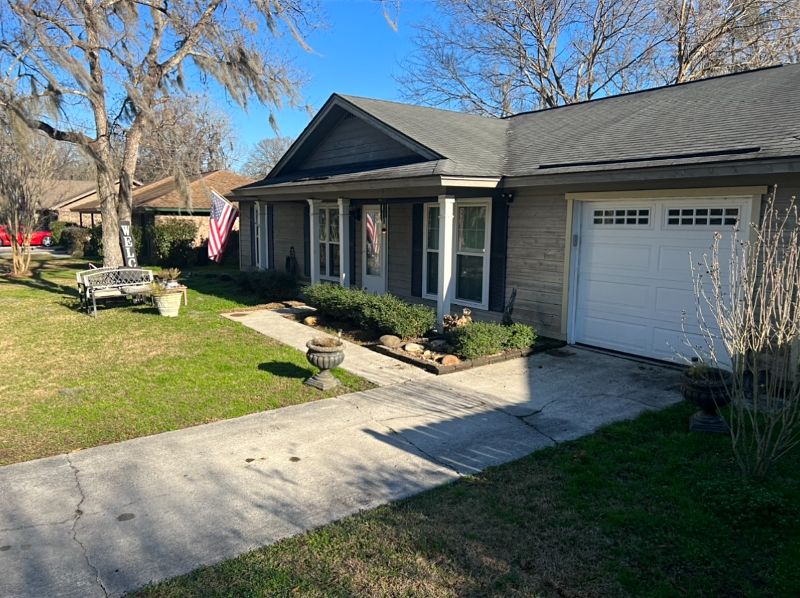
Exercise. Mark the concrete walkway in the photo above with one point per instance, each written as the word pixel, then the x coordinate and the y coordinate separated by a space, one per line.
pixel 106 520
pixel 378 369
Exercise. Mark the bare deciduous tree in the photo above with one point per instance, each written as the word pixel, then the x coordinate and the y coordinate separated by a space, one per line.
pixel 28 164
pixel 714 37
pixel 750 302
pixel 186 136
pixel 265 155
pixel 115 61
pixel 500 57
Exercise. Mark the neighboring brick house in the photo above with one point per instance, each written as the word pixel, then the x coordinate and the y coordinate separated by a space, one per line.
pixel 161 199
pixel 61 195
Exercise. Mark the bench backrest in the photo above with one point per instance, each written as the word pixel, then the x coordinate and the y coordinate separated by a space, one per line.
pixel 113 277
pixel 79 276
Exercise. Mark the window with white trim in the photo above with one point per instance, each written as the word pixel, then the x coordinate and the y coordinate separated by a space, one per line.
pixel 329 243
pixel 430 260
pixel 622 217
pixel 702 216
pixel 471 252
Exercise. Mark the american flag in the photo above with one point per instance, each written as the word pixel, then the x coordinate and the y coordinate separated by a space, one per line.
pixel 223 215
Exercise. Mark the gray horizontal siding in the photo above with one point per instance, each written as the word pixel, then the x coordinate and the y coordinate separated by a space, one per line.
pixel 288 232
pixel 353 141
pixel 245 257
pixel 535 264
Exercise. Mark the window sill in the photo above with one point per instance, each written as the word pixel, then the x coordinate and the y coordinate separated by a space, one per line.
pixel 471 304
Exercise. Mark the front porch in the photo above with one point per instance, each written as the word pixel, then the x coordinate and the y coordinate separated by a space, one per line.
pixel 447 251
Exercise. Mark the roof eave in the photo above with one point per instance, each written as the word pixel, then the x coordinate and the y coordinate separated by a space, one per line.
pixel 306 189
pixel 763 166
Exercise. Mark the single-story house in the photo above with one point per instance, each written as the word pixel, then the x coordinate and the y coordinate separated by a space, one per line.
pixel 590 211
pixel 161 199
pixel 59 195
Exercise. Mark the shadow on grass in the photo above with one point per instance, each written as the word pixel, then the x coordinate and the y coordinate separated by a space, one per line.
pixel 38 282
pixel 285 369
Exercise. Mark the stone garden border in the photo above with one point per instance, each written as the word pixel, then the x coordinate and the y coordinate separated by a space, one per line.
pixel 542 344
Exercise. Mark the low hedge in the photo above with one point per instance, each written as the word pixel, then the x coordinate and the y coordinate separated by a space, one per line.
pixel 487 338
pixel 56 228
pixel 383 314
pixel 270 285
pixel 76 240
pixel 172 242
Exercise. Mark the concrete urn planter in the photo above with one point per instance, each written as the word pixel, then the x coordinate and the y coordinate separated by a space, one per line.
pixel 324 353
pixel 168 304
pixel 708 393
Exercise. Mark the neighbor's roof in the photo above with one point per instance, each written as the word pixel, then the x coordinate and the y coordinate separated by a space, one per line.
pixel 163 194
pixel 60 192
pixel 743 116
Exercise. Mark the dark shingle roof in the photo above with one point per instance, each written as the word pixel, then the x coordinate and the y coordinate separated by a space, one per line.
pixel 742 116
pixel 471 143
pixel 757 111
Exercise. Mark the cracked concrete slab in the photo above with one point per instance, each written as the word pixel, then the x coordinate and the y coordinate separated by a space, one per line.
pixel 113 518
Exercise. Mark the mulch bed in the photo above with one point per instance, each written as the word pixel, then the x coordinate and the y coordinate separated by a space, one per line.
pixel 369 340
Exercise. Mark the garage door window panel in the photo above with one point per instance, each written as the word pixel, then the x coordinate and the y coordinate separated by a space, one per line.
pixel 705 216
pixel 621 217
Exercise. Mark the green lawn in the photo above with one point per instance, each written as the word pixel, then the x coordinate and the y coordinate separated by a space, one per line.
pixel 69 381
pixel 641 508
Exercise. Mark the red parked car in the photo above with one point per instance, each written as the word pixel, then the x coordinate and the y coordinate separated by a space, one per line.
pixel 39 237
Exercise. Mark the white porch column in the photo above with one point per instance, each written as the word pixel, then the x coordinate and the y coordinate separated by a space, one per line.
pixel 345 276
pixel 313 241
pixel 446 233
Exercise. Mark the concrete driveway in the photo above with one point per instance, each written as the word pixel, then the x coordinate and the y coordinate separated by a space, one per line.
pixel 110 519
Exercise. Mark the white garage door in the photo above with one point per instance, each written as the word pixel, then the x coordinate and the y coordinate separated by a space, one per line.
pixel 633 273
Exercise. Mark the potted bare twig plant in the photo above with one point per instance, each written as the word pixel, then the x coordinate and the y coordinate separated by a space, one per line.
pixel 748 306
pixel 706 387
pixel 167 294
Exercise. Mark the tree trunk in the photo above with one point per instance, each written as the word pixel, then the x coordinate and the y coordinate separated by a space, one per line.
pixel 107 192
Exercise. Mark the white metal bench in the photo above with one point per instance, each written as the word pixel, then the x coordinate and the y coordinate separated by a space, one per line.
pixel 105 283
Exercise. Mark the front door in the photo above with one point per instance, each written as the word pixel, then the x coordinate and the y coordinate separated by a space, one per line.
pixel 374 250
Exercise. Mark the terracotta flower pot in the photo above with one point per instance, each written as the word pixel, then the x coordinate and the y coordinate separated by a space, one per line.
pixel 324 353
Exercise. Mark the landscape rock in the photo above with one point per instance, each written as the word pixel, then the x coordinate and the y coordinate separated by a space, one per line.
pixel 390 340
pixel 310 321
pixel 414 348
pixel 438 344
pixel 450 360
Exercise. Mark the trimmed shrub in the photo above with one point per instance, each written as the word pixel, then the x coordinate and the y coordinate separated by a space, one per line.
pixel 487 338
pixel 75 239
pixel 270 285
pixel 56 228
pixel 94 246
pixel 172 242
pixel 520 336
pixel 388 314
pixel 336 302
pixel 384 314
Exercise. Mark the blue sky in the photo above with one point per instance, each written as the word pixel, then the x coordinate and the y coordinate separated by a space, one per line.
pixel 357 53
